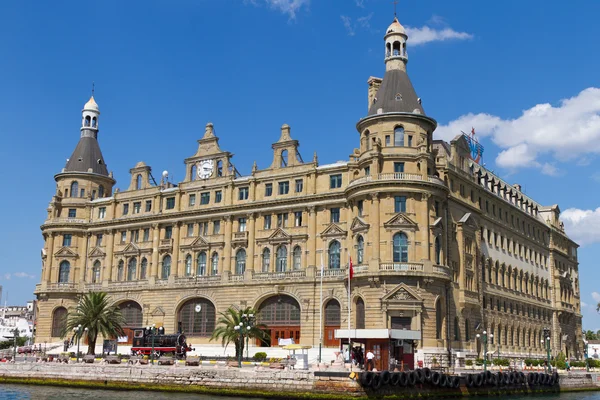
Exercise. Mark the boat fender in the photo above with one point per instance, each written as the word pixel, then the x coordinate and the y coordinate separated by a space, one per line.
pixel 470 380
pixel 495 380
pixel 412 378
pixel 521 377
pixel 556 378
pixel 366 378
pixel 403 379
pixel 427 373
pixel 443 380
pixel 530 378
pixel 478 380
pixel 507 379
pixel 395 379
pixel 500 377
pixel 455 382
pixel 435 378
pixel 376 382
pixel 385 377
pixel 420 375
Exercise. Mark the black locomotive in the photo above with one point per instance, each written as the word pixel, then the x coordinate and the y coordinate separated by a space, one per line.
pixel 163 344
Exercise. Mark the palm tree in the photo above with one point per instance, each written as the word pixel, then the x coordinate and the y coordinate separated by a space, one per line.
pixel 95 313
pixel 226 331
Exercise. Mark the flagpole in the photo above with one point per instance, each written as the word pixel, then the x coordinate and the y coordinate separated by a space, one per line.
pixel 349 307
pixel 321 311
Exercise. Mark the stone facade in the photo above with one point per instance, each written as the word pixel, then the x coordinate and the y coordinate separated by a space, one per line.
pixel 439 244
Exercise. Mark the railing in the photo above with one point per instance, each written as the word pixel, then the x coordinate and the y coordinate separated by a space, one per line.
pixel 93 286
pixel 360 269
pixel 165 243
pixel 396 176
pixel 198 279
pixel 67 220
pixel 267 276
pixel 236 278
pixel 240 235
pixel 68 286
pixel 330 273
pixel 401 267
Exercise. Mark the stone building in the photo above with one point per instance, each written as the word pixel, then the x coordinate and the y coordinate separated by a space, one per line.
pixel 442 249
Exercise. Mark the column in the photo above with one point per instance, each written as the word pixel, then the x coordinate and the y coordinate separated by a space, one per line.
pixel 179 269
pixel 312 236
pixel 227 248
pixel 349 242
pixel 110 240
pixel 375 232
pixel 155 243
pixel 83 270
pixel 251 235
pixel 49 257
pixel 427 231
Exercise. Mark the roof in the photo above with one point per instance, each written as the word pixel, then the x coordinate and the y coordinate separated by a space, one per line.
pixel 91 105
pixel 396 82
pixel 395 27
pixel 86 156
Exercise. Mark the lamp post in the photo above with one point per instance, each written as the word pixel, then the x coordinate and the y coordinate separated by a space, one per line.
pixel 585 354
pixel 484 339
pixel 244 327
pixel 152 330
pixel 15 333
pixel 547 337
pixel 78 332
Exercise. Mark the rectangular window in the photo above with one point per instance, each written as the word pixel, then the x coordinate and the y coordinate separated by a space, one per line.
pixel 190 230
pixel 436 207
pixel 243 193
pixel 335 181
pixel 218 196
pixel 203 228
pixel 267 222
pixel 123 237
pixel 242 225
pixel 282 220
pixel 360 206
pixel 135 236
pixel 99 238
pixel 125 209
pixel 451 185
pixel 462 190
pixel 67 240
pixel 472 196
pixel 146 235
pixel 170 203
pixel 299 185
pixel 409 140
pixel 367 171
pixel 387 140
pixel 298 218
pixel 72 212
pixel 284 187
pixel 268 189
pixel 101 212
pixel 399 204
pixel 216 227
pixel 398 167
pixel 82 193
pixel 137 207
pixel 192 200
pixel 168 232
pixel 335 215
pixel 148 205
pixel 204 198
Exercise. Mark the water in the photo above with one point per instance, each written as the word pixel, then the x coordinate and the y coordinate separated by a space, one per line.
pixel 23 392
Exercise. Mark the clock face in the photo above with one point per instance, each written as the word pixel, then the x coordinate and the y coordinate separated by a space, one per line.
pixel 205 169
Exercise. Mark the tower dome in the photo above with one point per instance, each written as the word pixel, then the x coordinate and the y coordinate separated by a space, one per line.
pixel 91 105
pixel 395 27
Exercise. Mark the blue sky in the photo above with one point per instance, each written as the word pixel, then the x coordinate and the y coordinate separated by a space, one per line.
pixel 524 74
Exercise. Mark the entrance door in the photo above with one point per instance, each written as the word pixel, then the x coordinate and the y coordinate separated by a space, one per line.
pixel 332 322
pixel 281 315
pixel 132 313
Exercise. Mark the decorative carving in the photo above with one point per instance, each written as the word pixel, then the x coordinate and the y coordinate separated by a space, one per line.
pixel 333 230
pixel 401 294
pixel 359 225
pixel 400 220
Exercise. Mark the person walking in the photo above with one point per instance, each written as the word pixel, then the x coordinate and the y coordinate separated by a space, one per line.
pixel 370 360
pixel 568 366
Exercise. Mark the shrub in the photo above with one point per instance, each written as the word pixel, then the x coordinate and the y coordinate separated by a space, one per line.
pixel 260 356
pixel 469 363
pixel 502 362
pixel 479 361
pixel 594 363
pixel 560 364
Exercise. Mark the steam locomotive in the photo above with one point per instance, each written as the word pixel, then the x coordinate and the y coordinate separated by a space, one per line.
pixel 163 344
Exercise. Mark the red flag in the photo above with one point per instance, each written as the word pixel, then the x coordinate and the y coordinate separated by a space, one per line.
pixel 472 131
pixel 351 269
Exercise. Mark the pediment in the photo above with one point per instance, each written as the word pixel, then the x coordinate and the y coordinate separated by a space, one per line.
pixel 279 236
pixel 97 252
pixel 65 252
pixel 402 293
pixel 358 225
pixel 198 243
pixel 131 248
pixel 158 312
pixel 437 224
pixel 469 221
pixel 333 230
pixel 400 220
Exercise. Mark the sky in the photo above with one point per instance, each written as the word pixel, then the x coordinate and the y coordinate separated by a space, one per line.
pixel 523 74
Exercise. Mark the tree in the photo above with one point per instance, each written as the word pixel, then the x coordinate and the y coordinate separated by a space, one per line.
pixel 95 313
pixel 590 335
pixel 226 332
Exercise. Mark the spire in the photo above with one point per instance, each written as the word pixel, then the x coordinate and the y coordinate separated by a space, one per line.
pixel 87 156
pixel 209 131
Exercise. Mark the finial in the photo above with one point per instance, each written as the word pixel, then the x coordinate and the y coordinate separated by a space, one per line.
pixel 209 131
pixel 395 4
pixel 254 167
pixel 93 88
pixel 315 159
pixel 285 133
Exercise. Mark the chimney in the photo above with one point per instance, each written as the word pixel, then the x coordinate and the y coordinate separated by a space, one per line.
pixel 374 84
pixel 517 186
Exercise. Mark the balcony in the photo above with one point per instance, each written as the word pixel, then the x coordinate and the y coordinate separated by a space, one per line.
pixel 60 221
pixel 396 177
pixel 198 280
pixel 166 245
pixel 236 278
pixel 332 273
pixel 62 287
pixel 240 239
pixel 273 276
pixel 401 267
pixel 416 269
pixel 469 297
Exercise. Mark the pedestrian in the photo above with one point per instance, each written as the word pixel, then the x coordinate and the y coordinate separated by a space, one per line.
pixel 568 366
pixel 370 362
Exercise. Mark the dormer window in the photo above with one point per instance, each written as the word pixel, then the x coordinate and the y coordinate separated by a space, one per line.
pixel 398 97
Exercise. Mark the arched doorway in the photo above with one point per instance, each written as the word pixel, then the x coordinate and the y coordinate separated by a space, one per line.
pixel 332 322
pixel 281 315
pixel 59 322
pixel 197 317
pixel 132 314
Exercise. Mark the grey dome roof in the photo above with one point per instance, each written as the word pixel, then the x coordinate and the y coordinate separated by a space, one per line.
pixel 86 156
pixel 396 94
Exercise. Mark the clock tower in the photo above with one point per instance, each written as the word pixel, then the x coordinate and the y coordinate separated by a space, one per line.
pixel 209 161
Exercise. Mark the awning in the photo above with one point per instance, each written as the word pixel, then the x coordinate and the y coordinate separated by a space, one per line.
pixel 377 334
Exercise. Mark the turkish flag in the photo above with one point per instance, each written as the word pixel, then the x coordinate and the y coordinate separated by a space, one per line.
pixel 351 272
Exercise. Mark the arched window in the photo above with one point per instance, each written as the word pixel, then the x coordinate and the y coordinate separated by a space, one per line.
pixel 132 314
pixel 334 255
pixel 131 269
pixel 138 182
pixel 360 250
pixel 240 262
pixel 59 322
pixel 214 268
pixel 439 318
pixel 281 259
pixel 201 267
pixel 188 265
pixel 63 272
pixel 333 313
pixel 120 270
pixel 74 189
pixel 438 251
pixel 166 267
pixel 94 122
pixel 360 313
pixel 396 48
pixel 87 120
pixel 96 272
pixel 399 136
pixel 193 173
pixel 100 191
pixel 197 317
pixel 297 258
pixel 456 329
pixel 467 330
pixel 400 247
pixel 143 268
pixel 284 158
pixel 280 311
pixel 219 168
pixel 266 260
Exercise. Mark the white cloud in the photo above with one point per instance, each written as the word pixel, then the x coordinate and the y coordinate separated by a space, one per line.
pixel 347 21
pixel 567 131
pixel 7 276
pixel 361 22
pixel 584 304
pixel 360 3
pixel 582 226
pixel 289 7
pixel 596 296
pixel 23 275
pixel 425 34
